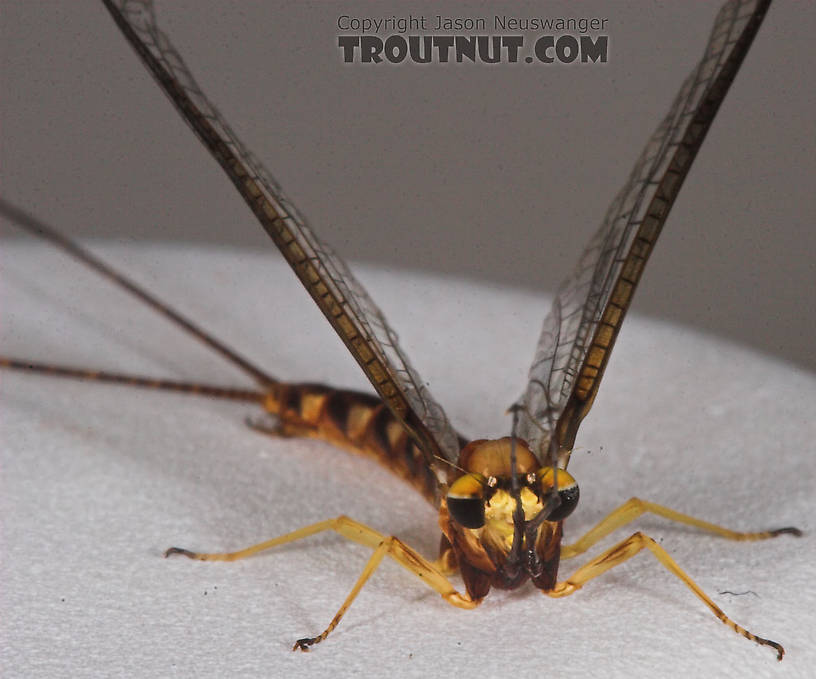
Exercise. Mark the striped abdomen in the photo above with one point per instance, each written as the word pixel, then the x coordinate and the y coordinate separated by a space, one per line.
pixel 355 421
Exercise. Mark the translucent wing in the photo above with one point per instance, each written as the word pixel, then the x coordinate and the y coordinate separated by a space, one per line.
pixel 352 313
pixel 587 313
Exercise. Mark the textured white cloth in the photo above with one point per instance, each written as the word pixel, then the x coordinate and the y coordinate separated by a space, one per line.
pixel 98 480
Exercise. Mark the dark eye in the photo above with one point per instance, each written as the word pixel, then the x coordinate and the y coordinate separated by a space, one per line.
pixel 567 491
pixel 569 500
pixel 466 500
pixel 467 512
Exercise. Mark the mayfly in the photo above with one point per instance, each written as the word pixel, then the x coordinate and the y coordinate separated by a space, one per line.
pixel 502 502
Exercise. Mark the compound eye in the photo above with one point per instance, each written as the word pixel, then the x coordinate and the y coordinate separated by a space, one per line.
pixel 466 500
pixel 567 491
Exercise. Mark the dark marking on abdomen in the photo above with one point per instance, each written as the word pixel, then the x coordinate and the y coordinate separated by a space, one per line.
pixel 356 421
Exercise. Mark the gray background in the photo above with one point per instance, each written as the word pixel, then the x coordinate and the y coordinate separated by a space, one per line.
pixel 498 173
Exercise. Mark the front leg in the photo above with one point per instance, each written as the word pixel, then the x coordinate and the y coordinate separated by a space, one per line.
pixel 357 532
pixel 626 550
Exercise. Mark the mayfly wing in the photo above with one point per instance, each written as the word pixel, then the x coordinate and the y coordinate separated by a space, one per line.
pixel 581 328
pixel 352 313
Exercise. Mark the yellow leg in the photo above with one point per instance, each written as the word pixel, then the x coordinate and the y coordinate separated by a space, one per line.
pixel 382 544
pixel 446 563
pixel 626 550
pixel 634 507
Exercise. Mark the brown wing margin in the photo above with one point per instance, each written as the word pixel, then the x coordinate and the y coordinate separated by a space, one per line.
pixel 591 371
pixel 352 314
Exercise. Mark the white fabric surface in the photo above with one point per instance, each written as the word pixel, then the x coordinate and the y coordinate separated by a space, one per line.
pixel 98 480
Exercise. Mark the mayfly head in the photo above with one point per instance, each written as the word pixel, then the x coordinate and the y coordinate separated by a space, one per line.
pixel 489 492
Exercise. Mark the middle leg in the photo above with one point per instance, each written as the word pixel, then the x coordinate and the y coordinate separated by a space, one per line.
pixel 635 507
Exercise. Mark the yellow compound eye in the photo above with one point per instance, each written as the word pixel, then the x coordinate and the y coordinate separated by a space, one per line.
pixel 567 491
pixel 466 500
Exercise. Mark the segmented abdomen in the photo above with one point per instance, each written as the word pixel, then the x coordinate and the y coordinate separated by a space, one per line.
pixel 355 421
